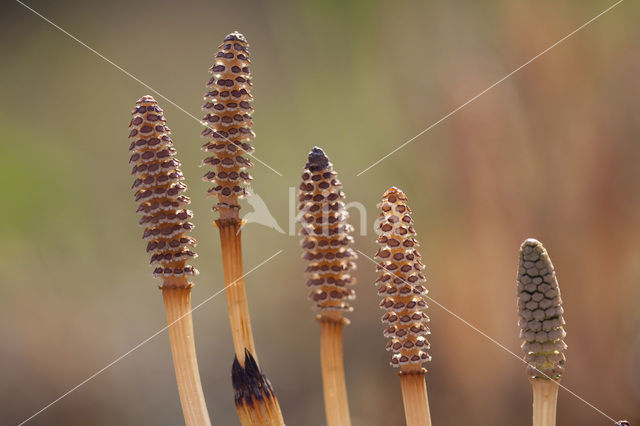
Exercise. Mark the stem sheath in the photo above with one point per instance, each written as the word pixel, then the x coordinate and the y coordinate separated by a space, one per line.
pixel 414 396
pixel 545 398
pixel 333 381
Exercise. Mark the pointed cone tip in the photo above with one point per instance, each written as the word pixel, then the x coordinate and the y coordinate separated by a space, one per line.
pixel 531 242
pixel 235 36
pixel 393 194
pixel 146 99
pixel 317 157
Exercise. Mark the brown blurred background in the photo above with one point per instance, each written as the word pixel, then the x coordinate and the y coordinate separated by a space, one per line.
pixel 551 153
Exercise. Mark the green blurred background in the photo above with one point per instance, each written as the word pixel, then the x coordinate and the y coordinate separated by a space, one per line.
pixel 551 153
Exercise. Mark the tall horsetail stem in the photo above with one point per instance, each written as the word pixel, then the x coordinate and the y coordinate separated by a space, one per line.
pixel 326 240
pixel 229 137
pixel 159 192
pixel 402 291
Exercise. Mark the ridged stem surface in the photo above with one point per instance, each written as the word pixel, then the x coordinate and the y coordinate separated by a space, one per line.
pixel 416 401
pixel 333 381
pixel 231 242
pixel 545 398
pixel 178 308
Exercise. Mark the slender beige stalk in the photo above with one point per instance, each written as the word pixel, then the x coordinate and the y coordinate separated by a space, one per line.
pixel 231 242
pixel 333 381
pixel 159 192
pixel 414 396
pixel 325 242
pixel 542 328
pixel 545 397
pixel 400 285
pixel 177 303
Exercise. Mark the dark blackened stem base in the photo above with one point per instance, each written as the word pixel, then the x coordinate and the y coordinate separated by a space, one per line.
pixel 231 242
pixel 333 379
pixel 177 303
pixel 255 400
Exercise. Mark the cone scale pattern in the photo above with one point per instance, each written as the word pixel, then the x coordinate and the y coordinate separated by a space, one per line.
pixel 401 284
pixel 228 120
pixel 159 192
pixel 326 236
pixel 540 309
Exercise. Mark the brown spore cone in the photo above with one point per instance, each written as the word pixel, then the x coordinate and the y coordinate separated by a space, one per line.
pixel 326 238
pixel 401 284
pixel 159 192
pixel 228 125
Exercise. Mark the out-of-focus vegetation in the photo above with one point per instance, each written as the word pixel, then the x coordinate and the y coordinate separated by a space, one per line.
pixel 551 153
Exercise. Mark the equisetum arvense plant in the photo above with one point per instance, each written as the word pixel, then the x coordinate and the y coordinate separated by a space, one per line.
pixel 159 192
pixel 326 241
pixel 229 139
pixel 541 328
pixel 401 288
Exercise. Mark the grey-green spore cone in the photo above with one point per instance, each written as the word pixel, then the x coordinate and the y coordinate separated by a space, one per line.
pixel 540 309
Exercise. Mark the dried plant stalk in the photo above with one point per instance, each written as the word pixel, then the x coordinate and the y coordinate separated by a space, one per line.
pixel 333 379
pixel 542 328
pixel 416 401
pixel 256 403
pixel 162 206
pixel 326 242
pixel 400 285
pixel 178 307
pixel 231 241
pixel 229 139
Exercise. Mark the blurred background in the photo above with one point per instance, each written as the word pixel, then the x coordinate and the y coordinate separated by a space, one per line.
pixel 551 153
